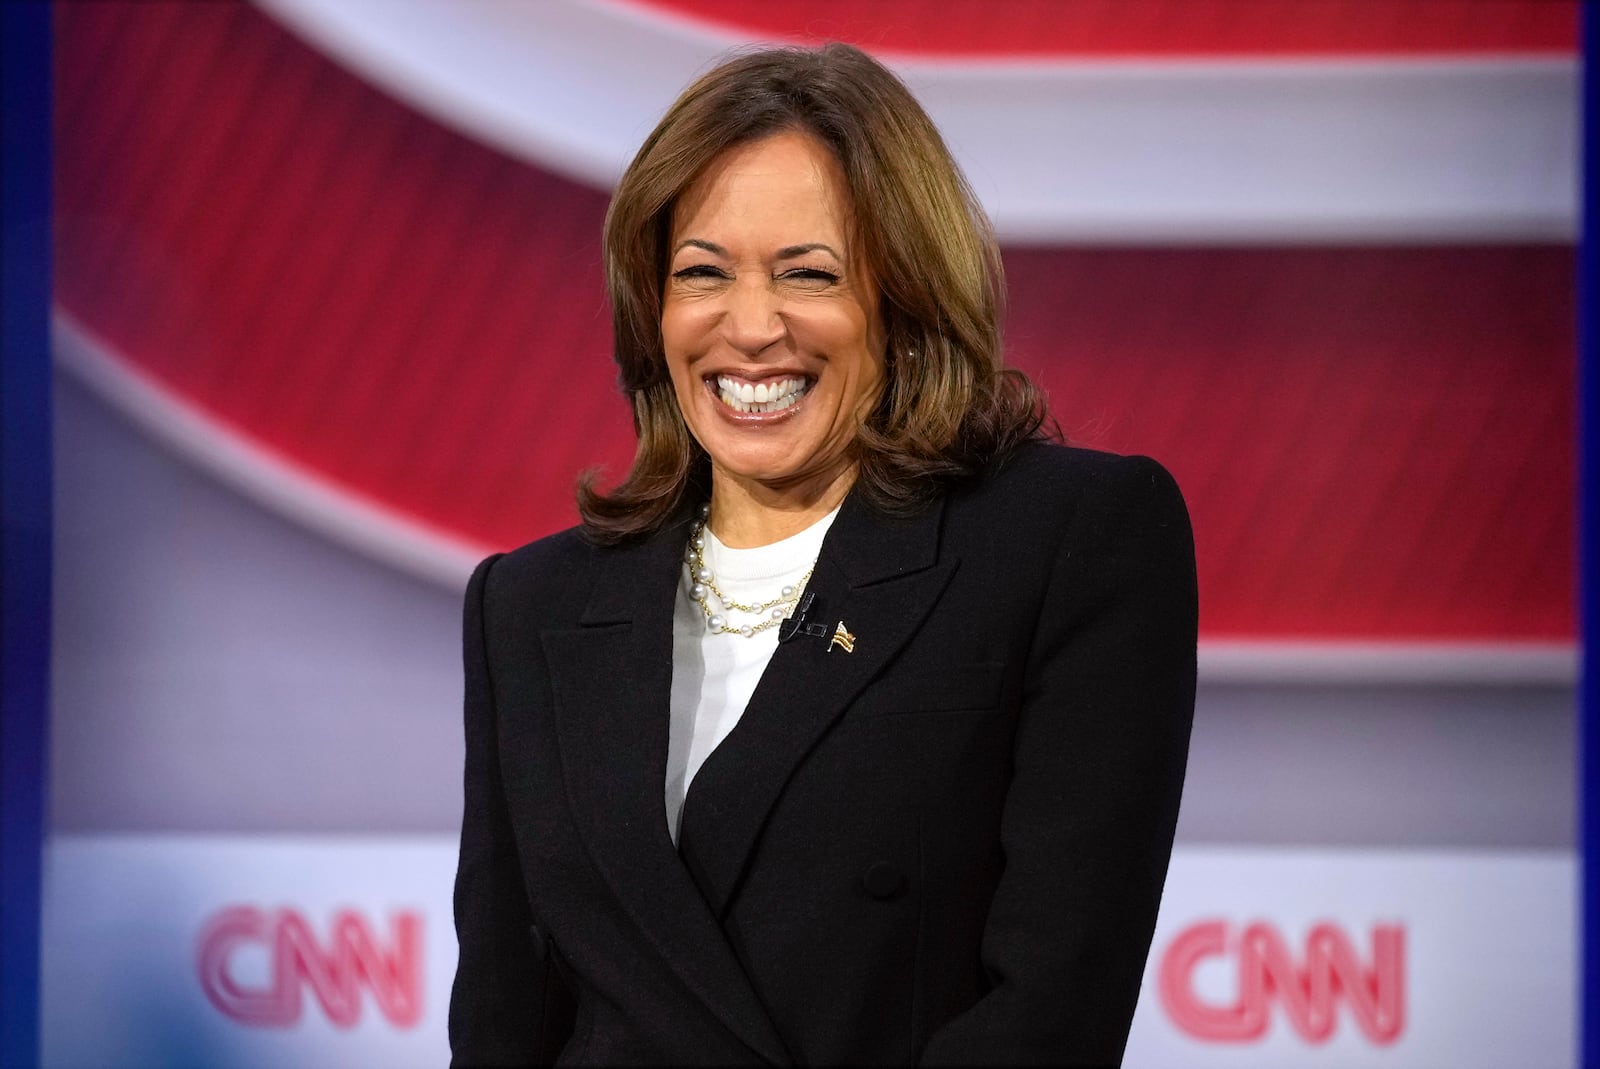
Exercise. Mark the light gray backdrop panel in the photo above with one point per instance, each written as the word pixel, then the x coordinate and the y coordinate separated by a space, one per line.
pixel 218 668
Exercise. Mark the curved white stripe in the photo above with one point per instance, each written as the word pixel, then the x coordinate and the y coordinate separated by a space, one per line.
pixel 374 529
pixel 305 496
pixel 1344 662
pixel 1101 151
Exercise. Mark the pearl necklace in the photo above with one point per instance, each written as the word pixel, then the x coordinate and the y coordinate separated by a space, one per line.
pixel 703 584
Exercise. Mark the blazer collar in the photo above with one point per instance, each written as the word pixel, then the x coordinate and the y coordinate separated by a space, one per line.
pixel 867 546
pixel 629 578
pixel 611 683
pixel 877 578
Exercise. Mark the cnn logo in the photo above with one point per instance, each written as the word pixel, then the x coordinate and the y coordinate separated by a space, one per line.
pixel 352 959
pixel 1309 989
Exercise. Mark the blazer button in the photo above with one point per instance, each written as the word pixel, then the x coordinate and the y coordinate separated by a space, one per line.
pixel 884 881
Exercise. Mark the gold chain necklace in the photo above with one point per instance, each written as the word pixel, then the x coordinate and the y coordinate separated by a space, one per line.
pixel 703 584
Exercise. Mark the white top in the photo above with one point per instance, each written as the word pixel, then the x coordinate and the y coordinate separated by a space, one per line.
pixel 714 675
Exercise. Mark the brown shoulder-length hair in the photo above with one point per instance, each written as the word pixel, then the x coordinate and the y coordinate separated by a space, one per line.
pixel 948 407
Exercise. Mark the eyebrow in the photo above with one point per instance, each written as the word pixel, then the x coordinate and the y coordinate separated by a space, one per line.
pixel 788 252
pixel 710 246
pixel 791 251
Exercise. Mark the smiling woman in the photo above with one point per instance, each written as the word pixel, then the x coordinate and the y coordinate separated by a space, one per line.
pixel 801 149
pixel 851 726
pixel 771 333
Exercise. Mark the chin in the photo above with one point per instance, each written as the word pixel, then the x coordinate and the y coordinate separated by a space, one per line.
pixel 765 466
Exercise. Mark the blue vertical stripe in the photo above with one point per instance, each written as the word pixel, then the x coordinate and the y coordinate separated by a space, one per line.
pixel 1589 540
pixel 24 511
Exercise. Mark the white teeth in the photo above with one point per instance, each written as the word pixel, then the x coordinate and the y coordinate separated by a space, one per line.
pixel 770 396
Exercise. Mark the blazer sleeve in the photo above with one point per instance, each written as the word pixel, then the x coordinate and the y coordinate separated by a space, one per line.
pixel 1101 745
pixel 507 1007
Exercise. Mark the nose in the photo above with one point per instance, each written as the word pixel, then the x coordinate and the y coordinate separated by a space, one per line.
pixel 752 321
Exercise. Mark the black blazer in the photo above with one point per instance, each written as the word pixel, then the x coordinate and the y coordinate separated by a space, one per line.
pixel 945 846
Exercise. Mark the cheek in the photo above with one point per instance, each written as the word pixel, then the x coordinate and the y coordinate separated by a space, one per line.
pixel 678 342
pixel 682 328
pixel 872 387
pixel 685 385
pixel 672 338
pixel 872 368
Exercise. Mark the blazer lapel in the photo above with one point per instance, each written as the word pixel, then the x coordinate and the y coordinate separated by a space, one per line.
pixel 611 680
pixel 877 578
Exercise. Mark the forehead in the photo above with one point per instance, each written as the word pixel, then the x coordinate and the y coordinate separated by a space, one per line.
pixel 785 183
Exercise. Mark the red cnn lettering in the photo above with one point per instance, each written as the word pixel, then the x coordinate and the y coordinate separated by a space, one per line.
pixel 1308 993
pixel 352 961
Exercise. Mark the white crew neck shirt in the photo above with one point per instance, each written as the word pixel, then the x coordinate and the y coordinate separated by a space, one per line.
pixel 714 675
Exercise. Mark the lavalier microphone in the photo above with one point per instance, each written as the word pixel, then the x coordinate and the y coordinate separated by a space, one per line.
pixel 797 624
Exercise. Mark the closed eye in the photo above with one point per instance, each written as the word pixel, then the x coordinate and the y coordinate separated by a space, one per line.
pixel 700 271
pixel 809 274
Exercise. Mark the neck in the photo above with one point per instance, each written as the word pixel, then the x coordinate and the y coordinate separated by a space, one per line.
pixel 747 513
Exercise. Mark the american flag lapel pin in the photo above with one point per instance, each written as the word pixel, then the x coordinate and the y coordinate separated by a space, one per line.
pixel 843 639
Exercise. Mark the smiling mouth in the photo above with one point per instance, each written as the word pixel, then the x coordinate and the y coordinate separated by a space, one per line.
pixel 753 398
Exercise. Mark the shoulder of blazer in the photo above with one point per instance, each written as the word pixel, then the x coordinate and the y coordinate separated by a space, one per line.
pixel 552 575
pixel 565 579
pixel 1046 484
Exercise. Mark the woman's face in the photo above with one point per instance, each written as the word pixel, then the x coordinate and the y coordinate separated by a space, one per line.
pixel 770 319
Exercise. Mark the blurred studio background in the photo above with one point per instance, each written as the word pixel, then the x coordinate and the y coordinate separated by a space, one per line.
pixel 328 326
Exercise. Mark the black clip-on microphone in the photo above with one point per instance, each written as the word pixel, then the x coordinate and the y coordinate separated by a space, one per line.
pixel 796 624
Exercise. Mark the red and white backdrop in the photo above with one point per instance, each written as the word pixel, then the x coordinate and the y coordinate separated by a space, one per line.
pixel 330 326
